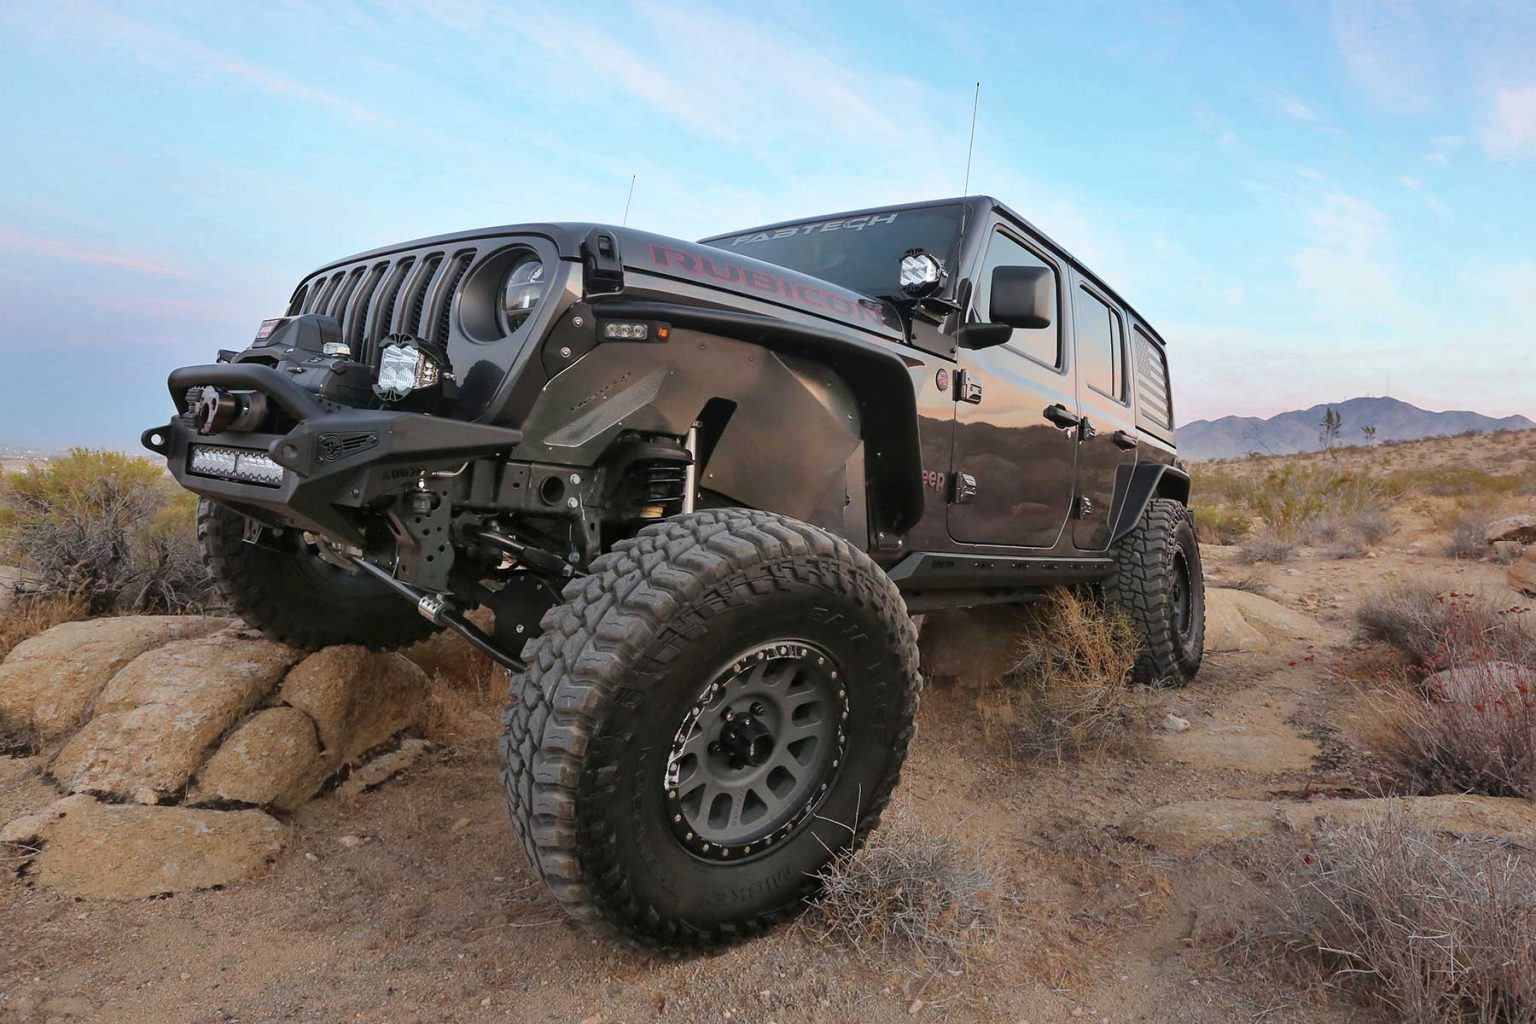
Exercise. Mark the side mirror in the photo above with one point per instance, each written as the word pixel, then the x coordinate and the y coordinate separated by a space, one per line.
pixel 1023 297
pixel 974 336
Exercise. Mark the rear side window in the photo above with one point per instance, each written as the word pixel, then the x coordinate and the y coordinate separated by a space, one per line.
pixel 1041 344
pixel 1154 397
pixel 1100 346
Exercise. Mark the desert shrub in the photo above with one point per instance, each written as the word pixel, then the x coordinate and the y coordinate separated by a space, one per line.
pixel 1477 740
pixel 1467 537
pixel 1429 931
pixel 1350 544
pixel 1436 629
pixel 1453 481
pixel 1266 546
pixel 1069 693
pixel 109 530
pixel 1222 524
pixel 467 692
pixel 1253 582
pixel 923 898
pixel 1212 484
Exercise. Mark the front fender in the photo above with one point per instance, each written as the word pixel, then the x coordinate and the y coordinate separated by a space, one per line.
pixel 1138 484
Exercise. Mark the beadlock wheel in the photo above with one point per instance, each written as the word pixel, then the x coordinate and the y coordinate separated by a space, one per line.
pixel 757 752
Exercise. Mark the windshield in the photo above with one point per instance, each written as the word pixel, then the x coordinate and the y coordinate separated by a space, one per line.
pixel 862 253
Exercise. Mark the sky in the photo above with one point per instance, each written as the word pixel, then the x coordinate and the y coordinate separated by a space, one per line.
pixel 1310 201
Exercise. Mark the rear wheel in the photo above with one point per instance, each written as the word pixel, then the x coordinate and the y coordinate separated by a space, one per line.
pixel 286 590
pixel 1158 582
pixel 722 706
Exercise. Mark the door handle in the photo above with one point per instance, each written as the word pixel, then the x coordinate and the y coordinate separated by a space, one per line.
pixel 1125 440
pixel 1062 416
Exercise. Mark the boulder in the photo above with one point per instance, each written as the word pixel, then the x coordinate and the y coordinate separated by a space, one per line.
pixel 48 683
pixel 271 759
pixel 123 851
pixel 156 718
pixel 1522 574
pixel 1196 825
pixel 357 698
pixel 1519 529
pixel 1236 620
pixel 379 770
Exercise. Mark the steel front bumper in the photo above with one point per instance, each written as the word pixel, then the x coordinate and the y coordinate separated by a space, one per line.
pixel 335 461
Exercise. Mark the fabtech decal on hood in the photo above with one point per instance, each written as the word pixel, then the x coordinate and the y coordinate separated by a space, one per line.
pixel 751 277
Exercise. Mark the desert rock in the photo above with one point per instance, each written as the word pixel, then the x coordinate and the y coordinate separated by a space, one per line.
pixel 357 698
pixel 1522 574
pixel 1519 529
pixel 157 717
pixel 122 851
pixel 1236 620
pixel 48 683
pixel 271 759
pixel 1189 827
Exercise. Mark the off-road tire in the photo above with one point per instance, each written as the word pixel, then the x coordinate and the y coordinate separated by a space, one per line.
pixel 1148 563
pixel 295 597
pixel 592 720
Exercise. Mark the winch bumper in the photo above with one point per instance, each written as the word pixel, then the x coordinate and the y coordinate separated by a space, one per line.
pixel 320 474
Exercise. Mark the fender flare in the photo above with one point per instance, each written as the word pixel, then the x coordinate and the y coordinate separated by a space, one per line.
pixel 878 376
pixel 1136 485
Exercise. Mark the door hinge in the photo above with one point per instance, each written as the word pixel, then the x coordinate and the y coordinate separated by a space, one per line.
pixel 1084 507
pixel 967 387
pixel 962 489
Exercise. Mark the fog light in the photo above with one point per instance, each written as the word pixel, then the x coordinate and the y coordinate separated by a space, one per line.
pixel 243 465
pixel 409 365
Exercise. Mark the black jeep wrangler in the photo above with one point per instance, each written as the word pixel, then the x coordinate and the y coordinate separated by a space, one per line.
pixel 701 488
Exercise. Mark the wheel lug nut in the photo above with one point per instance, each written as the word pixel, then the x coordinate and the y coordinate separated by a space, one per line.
pixel 714 748
pixel 758 709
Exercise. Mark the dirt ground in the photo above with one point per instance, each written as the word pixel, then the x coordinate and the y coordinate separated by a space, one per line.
pixel 412 903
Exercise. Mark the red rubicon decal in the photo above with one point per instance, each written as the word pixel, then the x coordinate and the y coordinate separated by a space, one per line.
pixel 718 268
pixel 941 379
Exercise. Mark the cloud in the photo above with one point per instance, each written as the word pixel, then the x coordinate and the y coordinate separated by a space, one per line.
pixel 1294 108
pixel 1441 147
pixel 1416 186
pixel 152 45
pixel 16 240
pixel 1388 52
pixel 1510 128
pixel 1347 269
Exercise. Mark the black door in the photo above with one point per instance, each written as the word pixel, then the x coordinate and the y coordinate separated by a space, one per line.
pixel 1108 430
pixel 1013 467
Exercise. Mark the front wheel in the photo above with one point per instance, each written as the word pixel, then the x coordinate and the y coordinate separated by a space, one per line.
pixel 296 597
pixel 1158 582
pixel 721 707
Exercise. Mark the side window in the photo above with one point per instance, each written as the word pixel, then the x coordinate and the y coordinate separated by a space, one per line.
pixel 1100 346
pixel 1155 397
pixel 1041 344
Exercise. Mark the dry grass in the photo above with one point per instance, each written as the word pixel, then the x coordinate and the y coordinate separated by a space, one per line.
pixel 926 900
pixel 467 693
pixel 36 615
pixel 1467 538
pixel 1429 932
pixel 1266 547
pixel 1222 524
pixel 1481 739
pixel 1069 692
pixel 1436 628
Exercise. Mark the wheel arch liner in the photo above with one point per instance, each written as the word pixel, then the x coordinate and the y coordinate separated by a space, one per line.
pixel 1135 485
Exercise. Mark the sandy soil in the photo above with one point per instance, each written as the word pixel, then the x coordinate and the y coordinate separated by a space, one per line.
pixel 432 916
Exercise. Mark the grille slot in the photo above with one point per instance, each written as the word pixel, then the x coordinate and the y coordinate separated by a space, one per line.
pixel 384 313
pixel 417 299
pixel 451 279
pixel 338 308
pixel 296 306
pixel 354 329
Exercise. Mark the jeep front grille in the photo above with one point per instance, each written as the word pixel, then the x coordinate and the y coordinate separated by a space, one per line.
pixel 407 294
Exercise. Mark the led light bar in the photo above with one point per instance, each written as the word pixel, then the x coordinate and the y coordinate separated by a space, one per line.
pixel 243 465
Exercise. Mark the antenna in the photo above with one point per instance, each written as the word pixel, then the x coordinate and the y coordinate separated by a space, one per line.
pixel 629 200
pixel 975 103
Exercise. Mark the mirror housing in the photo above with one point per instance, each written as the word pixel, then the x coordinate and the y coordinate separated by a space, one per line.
pixel 1023 297
pixel 974 336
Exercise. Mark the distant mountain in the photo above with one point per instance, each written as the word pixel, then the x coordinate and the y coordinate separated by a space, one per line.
pixel 1297 431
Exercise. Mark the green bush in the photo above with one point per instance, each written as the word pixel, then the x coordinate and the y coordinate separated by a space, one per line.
pixel 108 530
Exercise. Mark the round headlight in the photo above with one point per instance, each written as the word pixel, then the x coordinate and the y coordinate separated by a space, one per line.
pixel 524 288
